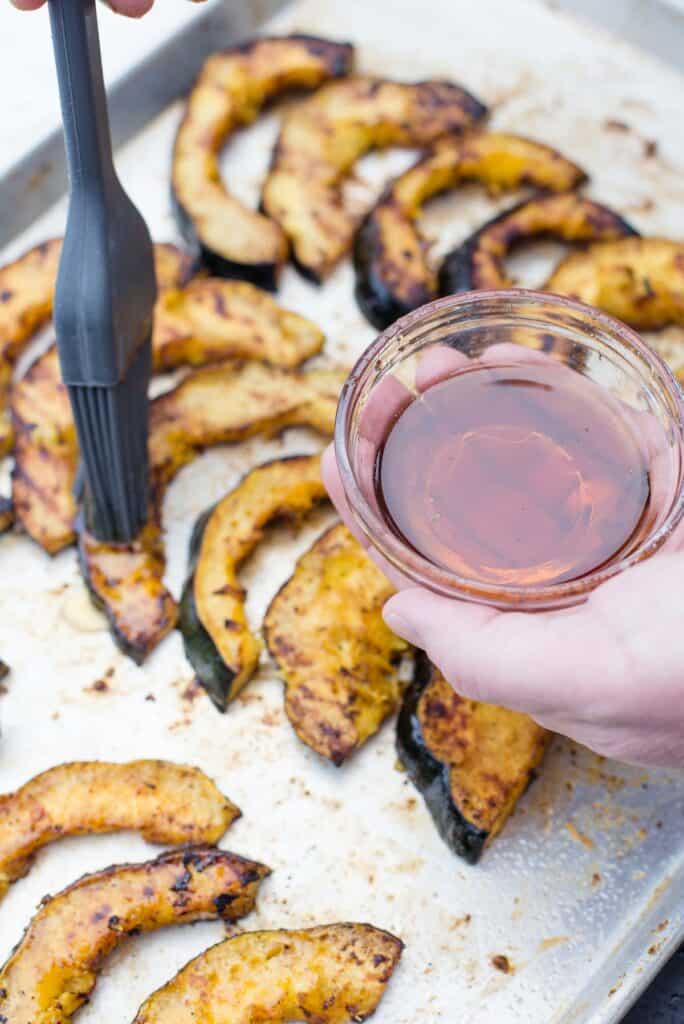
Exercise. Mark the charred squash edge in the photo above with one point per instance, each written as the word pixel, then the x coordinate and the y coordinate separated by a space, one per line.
pixel 375 295
pixel 431 777
pixel 265 275
pixel 6 515
pixel 456 271
pixel 201 651
pixel 136 652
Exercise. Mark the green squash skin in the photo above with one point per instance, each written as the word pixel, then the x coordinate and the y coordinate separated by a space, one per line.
pixel 6 515
pixel 376 300
pixel 431 777
pixel 200 650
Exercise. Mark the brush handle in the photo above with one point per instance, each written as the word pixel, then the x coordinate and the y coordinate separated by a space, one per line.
pixel 82 92
pixel 106 283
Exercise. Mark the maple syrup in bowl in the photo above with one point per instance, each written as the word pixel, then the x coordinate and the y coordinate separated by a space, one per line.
pixel 513 447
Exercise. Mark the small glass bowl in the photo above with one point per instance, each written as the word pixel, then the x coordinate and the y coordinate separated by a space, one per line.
pixel 595 345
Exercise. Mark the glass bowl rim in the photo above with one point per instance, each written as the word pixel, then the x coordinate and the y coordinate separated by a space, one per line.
pixel 421 570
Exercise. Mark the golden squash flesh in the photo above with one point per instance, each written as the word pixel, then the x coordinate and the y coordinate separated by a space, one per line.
pixel 336 974
pixel 337 657
pixel 165 802
pixel 53 970
pixel 322 139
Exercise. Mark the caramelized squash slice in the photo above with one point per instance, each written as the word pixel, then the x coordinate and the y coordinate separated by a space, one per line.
pixel 165 802
pixel 336 974
pixel 217 405
pixel 321 140
pixel 393 273
pixel 6 515
pixel 230 91
pixel 471 761
pixel 211 319
pixel 337 657
pixel 53 970
pixel 480 261
pixel 638 280
pixel 26 291
pixel 218 641
pixel 202 323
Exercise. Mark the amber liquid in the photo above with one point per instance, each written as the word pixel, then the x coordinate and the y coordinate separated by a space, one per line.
pixel 514 475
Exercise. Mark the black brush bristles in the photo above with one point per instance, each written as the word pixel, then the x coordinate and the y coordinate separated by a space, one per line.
pixel 111 423
pixel 105 293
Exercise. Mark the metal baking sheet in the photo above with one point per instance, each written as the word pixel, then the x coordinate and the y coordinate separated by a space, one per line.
pixel 584 891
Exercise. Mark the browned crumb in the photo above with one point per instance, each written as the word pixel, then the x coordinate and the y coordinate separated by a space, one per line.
pixel 596 878
pixel 4 669
pixel 650 148
pixel 663 925
pixel 150 697
pixel 501 963
pixel 99 686
pixel 578 836
pixel 611 124
pixel 192 691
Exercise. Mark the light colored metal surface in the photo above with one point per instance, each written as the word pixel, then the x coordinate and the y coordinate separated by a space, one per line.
pixel 584 891
pixel 654 25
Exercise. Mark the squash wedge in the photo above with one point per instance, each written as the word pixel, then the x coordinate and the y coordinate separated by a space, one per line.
pixel 471 761
pixel 205 322
pixel 165 802
pixel 337 657
pixel 217 405
pixel 218 641
pixel 336 974
pixel 54 968
pixel 6 515
pixel 229 93
pixel 26 291
pixel 480 261
pixel 212 319
pixel 321 140
pixel 393 273
pixel 638 280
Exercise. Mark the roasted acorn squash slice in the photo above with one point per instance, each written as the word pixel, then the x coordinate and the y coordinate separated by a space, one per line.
pixel 218 641
pixel 337 657
pixel 230 91
pixel 480 261
pixel 322 139
pixel 218 405
pixel 211 319
pixel 471 761
pixel 204 322
pixel 165 802
pixel 53 970
pixel 336 974
pixel 393 274
pixel 638 280
pixel 27 288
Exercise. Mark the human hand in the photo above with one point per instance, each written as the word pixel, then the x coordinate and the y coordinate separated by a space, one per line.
pixel 608 673
pixel 130 8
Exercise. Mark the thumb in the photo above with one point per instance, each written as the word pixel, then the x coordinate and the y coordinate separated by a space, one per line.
pixel 532 663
